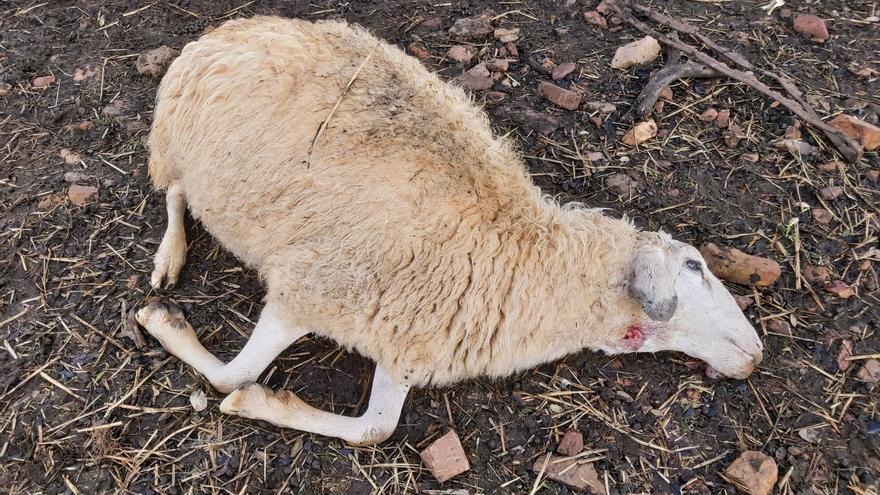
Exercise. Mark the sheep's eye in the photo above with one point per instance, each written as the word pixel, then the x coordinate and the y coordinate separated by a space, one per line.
pixel 694 265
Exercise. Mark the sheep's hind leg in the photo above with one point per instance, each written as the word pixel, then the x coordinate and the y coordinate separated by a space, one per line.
pixel 171 254
pixel 285 409
pixel 271 336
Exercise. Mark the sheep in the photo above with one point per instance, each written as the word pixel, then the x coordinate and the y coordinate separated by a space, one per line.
pixel 380 211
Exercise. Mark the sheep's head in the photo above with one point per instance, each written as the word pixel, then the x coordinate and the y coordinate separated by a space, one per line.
pixel 687 309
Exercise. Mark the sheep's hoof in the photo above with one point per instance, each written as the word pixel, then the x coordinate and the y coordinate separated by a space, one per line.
pixel 166 323
pixel 247 400
pixel 168 262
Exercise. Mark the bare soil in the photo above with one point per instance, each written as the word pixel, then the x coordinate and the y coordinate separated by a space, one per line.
pixel 85 411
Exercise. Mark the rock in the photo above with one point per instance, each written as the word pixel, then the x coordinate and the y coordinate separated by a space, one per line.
pixel 816 274
pixel 723 119
pixel 743 302
pixel 80 195
pixel 560 97
pixel 497 65
pixel 5 89
pixel 750 157
pixel 50 201
pixel 732 135
pixel 155 62
pixel 595 18
pixel 796 146
pixel 580 477
pixel 741 268
pixel 80 126
pixel 793 131
pixel 198 400
pixel 511 49
pixel 866 134
pixel 811 26
pixel 621 184
pixel 70 157
pixel 601 106
pixel 572 443
pixel 840 289
pixel 496 96
pixel 114 109
pixel 78 178
pixel 869 372
pixel 507 35
pixel 638 52
pixel 640 133
pixel 845 351
pixel 43 81
pixel 709 115
pixel 445 457
pixel 431 24
pixel 603 8
pixel 419 50
pixel 595 156
pixel 476 79
pixel 538 122
pixel 83 73
pixel 754 472
pixel 461 54
pixel 133 281
pixel 832 166
pixel 563 70
pixel 472 28
pixel 822 215
pixel 830 193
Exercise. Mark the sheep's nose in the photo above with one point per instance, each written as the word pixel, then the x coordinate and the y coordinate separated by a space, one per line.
pixel 757 358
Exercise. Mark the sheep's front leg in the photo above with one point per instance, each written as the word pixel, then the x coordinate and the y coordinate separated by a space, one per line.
pixel 271 336
pixel 285 409
pixel 171 254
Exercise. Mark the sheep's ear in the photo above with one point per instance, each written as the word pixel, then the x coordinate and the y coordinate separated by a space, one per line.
pixel 652 284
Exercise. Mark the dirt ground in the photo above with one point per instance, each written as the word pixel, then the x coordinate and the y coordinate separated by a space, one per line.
pixel 85 411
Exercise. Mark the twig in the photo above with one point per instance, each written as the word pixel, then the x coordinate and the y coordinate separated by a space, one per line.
pixel 848 147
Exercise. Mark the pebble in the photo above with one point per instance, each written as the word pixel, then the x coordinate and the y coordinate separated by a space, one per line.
pixel 866 134
pixel 154 63
pixel 43 81
pixel 755 472
pixel 78 178
pixel 70 157
pixel 477 79
pixel 709 115
pixel 460 53
pixel 445 457
pixel 5 89
pixel 572 443
pixel 539 122
pixel 497 65
pixel 845 351
pixel 640 133
pixel 419 50
pixel 822 215
pixel 743 302
pixel 732 135
pixel 563 70
pixel 736 266
pixel 507 35
pixel 722 120
pixel 579 477
pixel 472 28
pixel 595 18
pixel 80 195
pixel 830 193
pixel 638 52
pixel 840 289
pixel 560 97
pixel 869 372
pixel 198 400
pixel 812 26
pixel 621 183
pixel 431 24
pixel 815 274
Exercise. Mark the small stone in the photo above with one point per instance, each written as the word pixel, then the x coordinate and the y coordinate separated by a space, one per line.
pixel 750 157
pixel 580 477
pixel 507 35
pixel 793 131
pixel 445 457
pixel 461 54
pixel 845 352
pixel 80 195
pixel 743 302
pixel 78 178
pixel 560 97
pixel 572 443
pixel 497 65
pixel 198 400
pixel 622 184
pixel 43 81
pixel 155 62
pixel 602 107
pixel 80 126
pixel 595 156
pixel 83 73
pixel 69 157
pixel 640 133
pixel 133 281
pixel 732 135
pixel 638 52
pixel 874 175
pixel 709 115
pixel 563 70
pixel 830 193
pixel 604 8
pixel 595 18
pixel 723 119
pixel 736 266
pixel 869 372
pixel 754 472
pixel 797 146
pixel 5 89
pixel 431 24
pixel 50 201
pixel 830 166
pixel 114 109
pixel 511 49
pixel 822 215
pixel 419 50
pixel 539 122
pixel 496 96
pixel 811 26
pixel 816 274
pixel 840 289
pixel 866 134
pixel 477 79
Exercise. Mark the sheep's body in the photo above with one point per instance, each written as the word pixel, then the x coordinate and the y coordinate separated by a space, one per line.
pixel 406 231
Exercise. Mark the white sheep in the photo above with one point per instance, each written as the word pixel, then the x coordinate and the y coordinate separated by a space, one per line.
pixel 381 212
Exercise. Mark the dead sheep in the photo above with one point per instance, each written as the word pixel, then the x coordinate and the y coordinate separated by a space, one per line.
pixel 381 212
